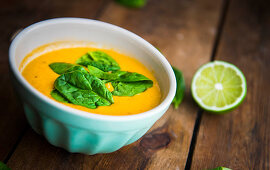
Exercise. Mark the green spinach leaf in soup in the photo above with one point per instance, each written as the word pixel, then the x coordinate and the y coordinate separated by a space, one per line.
pixel 123 76
pixel 58 96
pixel 130 84
pixel 130 88
pixel 62 68
pixel 83 89
pixel 124 83
pixel 99 73
pixel 99 87
pixel 100 60
pixel 86 98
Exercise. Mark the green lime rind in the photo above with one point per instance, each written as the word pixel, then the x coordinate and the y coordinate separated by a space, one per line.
pixel 220 168
pixel 227 108
pixel 180 88
pixel 132 3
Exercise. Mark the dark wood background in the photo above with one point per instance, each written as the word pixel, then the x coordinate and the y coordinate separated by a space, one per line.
pixel 189 33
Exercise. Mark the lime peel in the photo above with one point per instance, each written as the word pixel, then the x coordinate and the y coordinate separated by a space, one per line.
pixel 221 168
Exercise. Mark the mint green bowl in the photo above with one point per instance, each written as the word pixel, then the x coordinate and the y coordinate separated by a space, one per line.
pixel 75 130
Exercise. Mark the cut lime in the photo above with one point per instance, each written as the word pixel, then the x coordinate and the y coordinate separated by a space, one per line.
pixel 218 86
pixel 221 168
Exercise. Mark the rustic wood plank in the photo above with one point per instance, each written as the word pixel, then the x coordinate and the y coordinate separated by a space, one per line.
pixel 18 14
pixel 241 139
pixel 184 31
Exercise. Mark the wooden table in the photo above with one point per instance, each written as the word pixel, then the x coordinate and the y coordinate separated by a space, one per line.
pixel 189 33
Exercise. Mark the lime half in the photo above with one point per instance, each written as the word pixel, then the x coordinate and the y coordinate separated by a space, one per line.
pixel 218 86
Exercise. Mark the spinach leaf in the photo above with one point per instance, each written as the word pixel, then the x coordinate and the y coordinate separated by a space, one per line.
pixel 83 89
pixel 100 60
pixel 86 98
pixel 99 87
pixel 4 166
pixel 99 73
pixel 105 76
pixel 124 83
pixel 180 88
pixel 130 88
pixel 58 96
pixel 62 68
pixel 132 3
pixel 123 76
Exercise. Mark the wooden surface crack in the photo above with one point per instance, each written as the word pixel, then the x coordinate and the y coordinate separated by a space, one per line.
pixel 220 26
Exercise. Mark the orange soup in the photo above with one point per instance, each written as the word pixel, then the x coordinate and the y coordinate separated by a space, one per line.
pixel 38 73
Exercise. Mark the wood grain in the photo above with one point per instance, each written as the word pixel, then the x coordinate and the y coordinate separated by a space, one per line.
pixel 184 31
pixel 175 32
pixel 241 139
pixel 14 15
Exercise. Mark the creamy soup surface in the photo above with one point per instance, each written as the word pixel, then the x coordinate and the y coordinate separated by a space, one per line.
pixel 38 73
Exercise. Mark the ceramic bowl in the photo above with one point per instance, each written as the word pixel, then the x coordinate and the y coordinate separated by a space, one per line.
pixel 75 130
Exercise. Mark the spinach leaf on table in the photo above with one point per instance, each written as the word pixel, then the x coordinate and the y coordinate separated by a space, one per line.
pixel 124 83
pixel 4 166
pixel 62 68
pixel 132 3
pixel 180 88
pixel 83 89
pixel 100 60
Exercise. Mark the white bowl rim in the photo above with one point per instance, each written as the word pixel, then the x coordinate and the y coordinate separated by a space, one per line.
pixel 69 110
